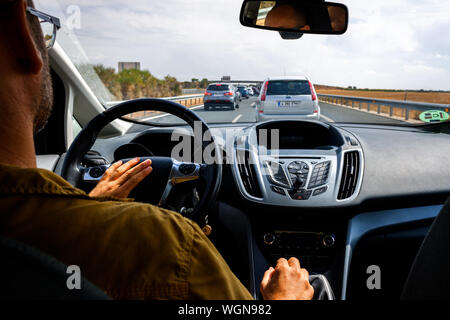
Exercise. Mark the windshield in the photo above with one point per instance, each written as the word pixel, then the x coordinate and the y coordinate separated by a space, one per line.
pixel 218 87
pixel 392 51
pixel 276 88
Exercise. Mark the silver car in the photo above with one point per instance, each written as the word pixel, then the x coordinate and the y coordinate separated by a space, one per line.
pixel 287 98
pixel 221 95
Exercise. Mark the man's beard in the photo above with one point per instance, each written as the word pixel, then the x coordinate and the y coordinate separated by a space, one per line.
pixel 44 108
pixel 44 102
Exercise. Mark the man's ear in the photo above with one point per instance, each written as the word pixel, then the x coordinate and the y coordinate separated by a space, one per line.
pixel 20 38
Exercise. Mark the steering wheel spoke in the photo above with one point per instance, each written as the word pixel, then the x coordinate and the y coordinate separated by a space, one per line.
pixel 181 172
pixel 184 172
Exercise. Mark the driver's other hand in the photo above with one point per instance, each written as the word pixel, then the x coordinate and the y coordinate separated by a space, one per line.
pixel 120 179
pixel 288 281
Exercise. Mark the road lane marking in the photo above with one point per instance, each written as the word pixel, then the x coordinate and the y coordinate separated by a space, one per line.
pixel 236 119
pixel 165 115
pixel 326 118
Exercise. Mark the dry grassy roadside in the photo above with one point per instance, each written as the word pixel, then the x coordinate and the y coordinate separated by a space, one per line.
pixel 432 97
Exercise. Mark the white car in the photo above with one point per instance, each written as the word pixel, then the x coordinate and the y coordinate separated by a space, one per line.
pixel 250 91
pixel 287 98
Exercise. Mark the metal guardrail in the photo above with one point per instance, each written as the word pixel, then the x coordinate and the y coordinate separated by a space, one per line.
pixel 404 109
pixel 393 108
pixel 188 101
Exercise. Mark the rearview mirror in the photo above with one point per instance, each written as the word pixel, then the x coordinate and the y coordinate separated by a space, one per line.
pixel 295 16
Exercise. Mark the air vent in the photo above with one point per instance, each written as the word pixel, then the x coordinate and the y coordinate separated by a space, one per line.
pixel 248 173
pixel 350 174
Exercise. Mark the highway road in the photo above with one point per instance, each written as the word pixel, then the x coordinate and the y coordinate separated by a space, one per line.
pixel 247 113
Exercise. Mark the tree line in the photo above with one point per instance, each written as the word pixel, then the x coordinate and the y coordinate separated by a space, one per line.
pixel 132 83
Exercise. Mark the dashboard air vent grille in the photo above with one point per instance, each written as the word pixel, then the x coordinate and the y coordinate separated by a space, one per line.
pixel 350 174
pixel 248 173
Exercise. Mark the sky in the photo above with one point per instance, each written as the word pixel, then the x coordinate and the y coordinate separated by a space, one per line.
pixel 390 44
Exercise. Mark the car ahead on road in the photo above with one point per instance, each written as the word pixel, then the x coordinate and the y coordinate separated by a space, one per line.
pixel 287 98
pixel 244 92
pixel 220 95
pixel 250 91
pixel 238 93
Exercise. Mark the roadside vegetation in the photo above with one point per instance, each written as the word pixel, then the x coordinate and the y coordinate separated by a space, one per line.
pixel 133 84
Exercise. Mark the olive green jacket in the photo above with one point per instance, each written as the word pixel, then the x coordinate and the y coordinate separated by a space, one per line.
pixel 130 250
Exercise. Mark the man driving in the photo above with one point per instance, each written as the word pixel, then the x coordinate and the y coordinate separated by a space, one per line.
pixel 288 17
pixel 306 17
pixel 130 250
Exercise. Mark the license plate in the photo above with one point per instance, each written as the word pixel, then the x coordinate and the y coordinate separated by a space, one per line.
pixel 217 94
pixel 288 104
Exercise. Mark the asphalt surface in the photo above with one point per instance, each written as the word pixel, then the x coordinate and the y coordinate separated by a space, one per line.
pixel 246 113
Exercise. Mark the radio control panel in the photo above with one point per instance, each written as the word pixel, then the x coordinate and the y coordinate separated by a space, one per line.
pixel 315 250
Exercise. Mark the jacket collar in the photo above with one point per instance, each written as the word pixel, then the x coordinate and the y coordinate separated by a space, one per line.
pixel 15 181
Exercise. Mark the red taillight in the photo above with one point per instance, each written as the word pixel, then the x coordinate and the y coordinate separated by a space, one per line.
pixel 313 93
pixel 263 96
pixel 228 94
pixel 208 94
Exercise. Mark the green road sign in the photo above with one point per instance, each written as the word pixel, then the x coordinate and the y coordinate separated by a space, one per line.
pixel 434 116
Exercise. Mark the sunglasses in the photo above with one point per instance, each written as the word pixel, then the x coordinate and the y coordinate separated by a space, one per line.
pixel 49 24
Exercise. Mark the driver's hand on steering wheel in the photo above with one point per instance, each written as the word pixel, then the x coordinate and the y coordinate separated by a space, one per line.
pixel 121 178
pixel 288 281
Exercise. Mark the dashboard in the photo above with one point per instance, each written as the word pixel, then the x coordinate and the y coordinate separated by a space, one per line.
pixel 360 166
pixel 315 191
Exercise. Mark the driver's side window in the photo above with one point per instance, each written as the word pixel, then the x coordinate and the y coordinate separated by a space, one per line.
pixel 76 127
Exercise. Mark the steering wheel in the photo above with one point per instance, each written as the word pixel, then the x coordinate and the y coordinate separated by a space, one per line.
pixel 167 172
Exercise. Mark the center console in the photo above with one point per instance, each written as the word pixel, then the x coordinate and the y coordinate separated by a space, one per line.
pixel 297 168
pixel 297 164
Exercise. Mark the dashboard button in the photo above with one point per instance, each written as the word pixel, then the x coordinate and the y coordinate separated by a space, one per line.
pixel 278 190
pixel 300 195
pixel 299 183
pixel 320 191
pixel 320 174
pixel 187 169
pixel 294 166
pixel 329 241
pixel 276 173
pixel 96 172
pixel 269 239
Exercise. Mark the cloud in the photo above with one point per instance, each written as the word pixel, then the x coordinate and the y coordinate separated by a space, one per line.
pixel 389 44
